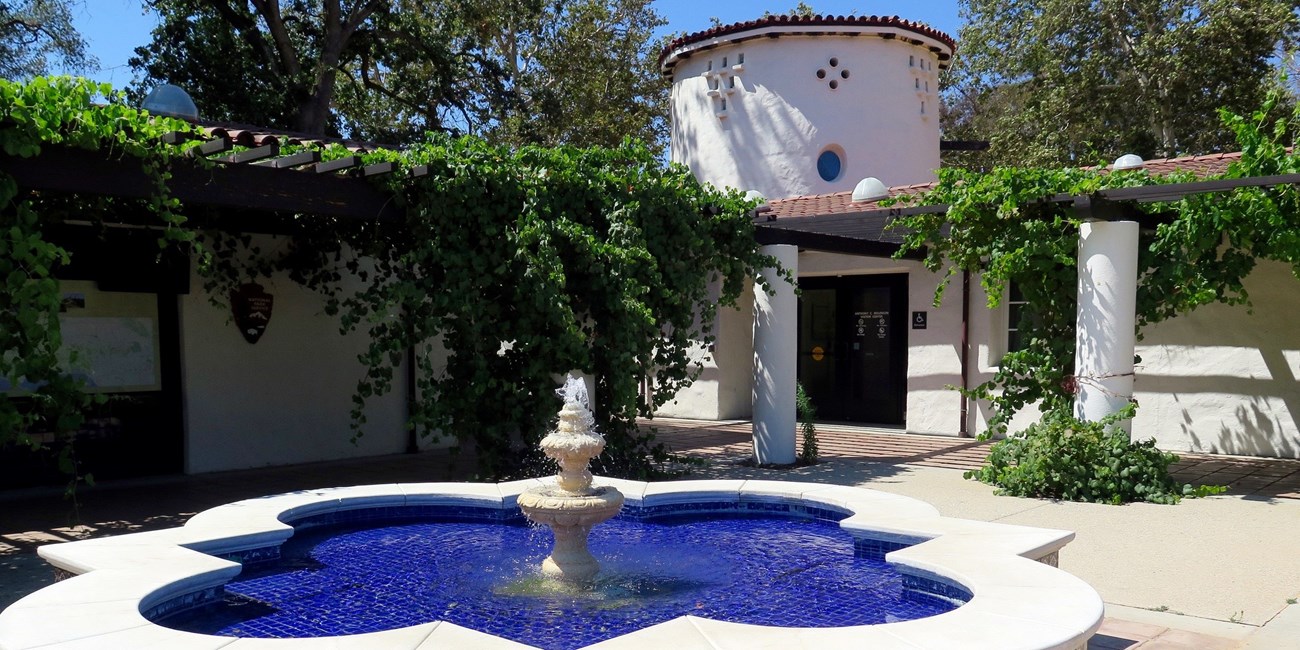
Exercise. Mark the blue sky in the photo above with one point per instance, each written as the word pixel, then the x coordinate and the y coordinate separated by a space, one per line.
pixel 116 27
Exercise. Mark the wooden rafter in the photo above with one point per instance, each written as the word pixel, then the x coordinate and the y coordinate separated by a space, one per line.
pixel 244 187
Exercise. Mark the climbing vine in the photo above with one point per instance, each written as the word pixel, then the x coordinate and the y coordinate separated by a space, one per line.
pixel 526 263
pixel 508 268
pixel 55 112
pixel 1000 225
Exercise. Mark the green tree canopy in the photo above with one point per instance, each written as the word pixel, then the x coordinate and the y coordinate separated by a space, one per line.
pixel 1061 82
pixel 515 71
pixel 36 36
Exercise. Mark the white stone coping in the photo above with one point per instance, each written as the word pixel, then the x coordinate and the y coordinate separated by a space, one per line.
pixel 1017 603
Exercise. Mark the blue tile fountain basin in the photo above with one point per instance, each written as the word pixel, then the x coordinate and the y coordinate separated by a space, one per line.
pixel 1017 598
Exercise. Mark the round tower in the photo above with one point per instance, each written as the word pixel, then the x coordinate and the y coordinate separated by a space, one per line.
pixel 793 106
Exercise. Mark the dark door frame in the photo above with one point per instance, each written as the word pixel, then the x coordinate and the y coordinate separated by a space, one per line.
pixel 896 413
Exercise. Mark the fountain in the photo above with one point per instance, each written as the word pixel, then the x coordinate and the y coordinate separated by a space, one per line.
pixel 752 580
pixel 572 506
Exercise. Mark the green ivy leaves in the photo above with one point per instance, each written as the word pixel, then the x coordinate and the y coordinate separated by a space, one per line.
pixel 77 113
pixel 522 265
pixel 1064 458
pixel 1200 251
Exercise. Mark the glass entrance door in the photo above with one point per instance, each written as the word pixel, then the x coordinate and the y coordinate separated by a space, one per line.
pixel 853 347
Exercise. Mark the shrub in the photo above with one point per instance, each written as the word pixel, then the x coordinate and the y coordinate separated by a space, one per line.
pixel 807 415
pixel 1062 457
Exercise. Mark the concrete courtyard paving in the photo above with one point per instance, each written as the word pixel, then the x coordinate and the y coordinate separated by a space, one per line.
pixel 1206 574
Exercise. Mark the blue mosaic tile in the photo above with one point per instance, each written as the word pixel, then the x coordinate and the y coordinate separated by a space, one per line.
pixel 633 510
pixel 875 549
pixel 748 505
pixel 250 557
pixel 186 602
pixel 928 587
pixel 690 507
pixel 445 513
pixel 795 570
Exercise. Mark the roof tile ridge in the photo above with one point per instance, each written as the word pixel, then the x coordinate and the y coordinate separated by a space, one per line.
pixel 822 19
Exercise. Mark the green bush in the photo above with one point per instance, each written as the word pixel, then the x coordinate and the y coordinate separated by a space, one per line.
pixel 807 425
pixel 1061 457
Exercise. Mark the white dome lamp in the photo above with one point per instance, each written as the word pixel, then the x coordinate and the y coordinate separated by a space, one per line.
pixel 172 101
pixel 869 189
pixel 764 208
pixel 1127 161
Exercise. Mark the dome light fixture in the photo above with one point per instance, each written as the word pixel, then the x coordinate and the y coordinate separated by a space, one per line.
pixel 1127 161
pixel 869 189
pixel 170 100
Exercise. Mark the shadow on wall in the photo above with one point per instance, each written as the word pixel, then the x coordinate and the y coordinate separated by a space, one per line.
pixel 1254 428
pixel 1224 380
pixel 694 144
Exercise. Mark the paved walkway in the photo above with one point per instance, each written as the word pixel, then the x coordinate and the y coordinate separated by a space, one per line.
pixel 1205 574
pixel 1261 478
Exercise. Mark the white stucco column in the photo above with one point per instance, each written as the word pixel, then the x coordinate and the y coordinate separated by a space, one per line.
pixel 776 332
pixel 1106 333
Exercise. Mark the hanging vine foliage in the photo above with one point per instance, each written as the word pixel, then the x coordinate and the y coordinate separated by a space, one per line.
pixel 524 264
pixel 1001 226
pixel 40 113
pixel 508 269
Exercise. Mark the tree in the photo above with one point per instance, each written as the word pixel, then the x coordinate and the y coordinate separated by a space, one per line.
pixel 586 73
pixel 803 10
pixel 37 35
pixel 1053 82
pixel 516 71
pixel 266 62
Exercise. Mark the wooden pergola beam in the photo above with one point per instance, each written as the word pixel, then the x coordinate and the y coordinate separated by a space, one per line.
pixel 300 159
pixel 829 243
pixel 245 187
pixel 251 155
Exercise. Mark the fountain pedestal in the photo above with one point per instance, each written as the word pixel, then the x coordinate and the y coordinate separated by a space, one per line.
pixel 572 506
pixel 570 518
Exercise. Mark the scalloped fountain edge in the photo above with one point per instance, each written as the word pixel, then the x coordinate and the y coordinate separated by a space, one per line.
pixel 1019 598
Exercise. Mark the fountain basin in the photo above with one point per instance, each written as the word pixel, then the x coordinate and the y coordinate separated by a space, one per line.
pixel 1018 599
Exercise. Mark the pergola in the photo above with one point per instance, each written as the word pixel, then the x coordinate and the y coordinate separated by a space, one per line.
pixel 1108 271
pixel 257 178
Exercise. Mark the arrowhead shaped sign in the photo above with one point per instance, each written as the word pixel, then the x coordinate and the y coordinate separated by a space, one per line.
pixel 251 305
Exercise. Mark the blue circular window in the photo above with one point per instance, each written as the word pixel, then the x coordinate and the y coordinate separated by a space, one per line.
pixel 829 165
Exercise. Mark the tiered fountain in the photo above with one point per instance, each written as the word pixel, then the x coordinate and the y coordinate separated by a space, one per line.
pixel 572 506
pixel 806 566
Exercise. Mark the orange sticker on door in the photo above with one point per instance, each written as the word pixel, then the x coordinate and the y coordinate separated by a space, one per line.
pixel 818 353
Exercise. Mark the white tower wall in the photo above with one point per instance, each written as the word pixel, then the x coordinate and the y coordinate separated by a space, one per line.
pixel 780 116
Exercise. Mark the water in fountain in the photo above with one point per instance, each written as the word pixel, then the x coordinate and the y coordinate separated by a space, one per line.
pixel 483 575
pixel 572 506
pixel 477 570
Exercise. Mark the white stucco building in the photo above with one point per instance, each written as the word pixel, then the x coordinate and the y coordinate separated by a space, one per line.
pixel 797 107
pixel 804 109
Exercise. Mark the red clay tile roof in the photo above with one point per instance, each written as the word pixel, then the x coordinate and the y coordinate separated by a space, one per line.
pixel 247 135
pixel 818 22
pixel 842 202
pixel 1202 166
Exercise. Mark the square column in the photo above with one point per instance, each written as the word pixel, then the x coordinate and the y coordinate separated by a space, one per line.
pixel 776 332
